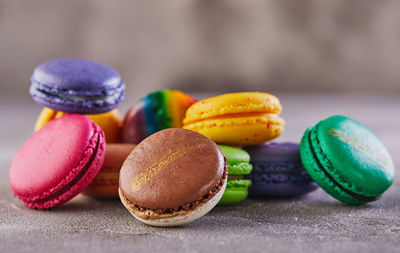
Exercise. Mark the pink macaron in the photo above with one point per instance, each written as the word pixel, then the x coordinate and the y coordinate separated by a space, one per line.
pixel 57 162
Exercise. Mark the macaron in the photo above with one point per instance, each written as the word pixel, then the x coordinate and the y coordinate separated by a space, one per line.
pixel 238 165
pixel 105 184
pixel 278 171
pixel 109 121
pixel 237 119
pixel 57 162
pixel 173 177
pixel 157 111
pixel 77 86
pixel 347 160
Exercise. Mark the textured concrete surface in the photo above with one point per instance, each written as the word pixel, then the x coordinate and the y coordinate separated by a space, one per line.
pixel 312 223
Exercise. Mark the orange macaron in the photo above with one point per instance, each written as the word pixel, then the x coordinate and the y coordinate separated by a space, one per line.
pixel 105 184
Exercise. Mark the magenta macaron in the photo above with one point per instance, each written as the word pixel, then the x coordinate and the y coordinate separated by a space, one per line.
pixel 57 162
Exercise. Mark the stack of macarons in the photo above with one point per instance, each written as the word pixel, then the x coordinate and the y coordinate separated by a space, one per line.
pixel 173 158
pixel 78 86
pixel 65 86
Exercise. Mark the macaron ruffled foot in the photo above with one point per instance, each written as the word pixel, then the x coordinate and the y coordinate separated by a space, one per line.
pixel 278 172
pixel 57 162
pixel 173 177
pixel 347 160
pixel 238 166
pixel 77 86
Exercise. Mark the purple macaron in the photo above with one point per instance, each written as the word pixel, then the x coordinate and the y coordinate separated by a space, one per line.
pixel 77 86
pixel 278 171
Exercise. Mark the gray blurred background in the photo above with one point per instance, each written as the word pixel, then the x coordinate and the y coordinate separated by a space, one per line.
pixel 210 45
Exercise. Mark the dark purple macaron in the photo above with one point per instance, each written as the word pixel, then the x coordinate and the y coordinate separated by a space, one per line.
pixel 77 86
pixel 278 171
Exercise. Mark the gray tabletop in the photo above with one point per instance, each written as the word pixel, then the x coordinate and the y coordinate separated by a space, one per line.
pixel 312 223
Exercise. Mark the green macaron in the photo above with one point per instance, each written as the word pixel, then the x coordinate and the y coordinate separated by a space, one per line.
pixel 238 165
pixel 347 160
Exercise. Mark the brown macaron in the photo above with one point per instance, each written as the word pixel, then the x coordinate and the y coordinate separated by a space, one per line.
pixel 173 177
pixel 105 184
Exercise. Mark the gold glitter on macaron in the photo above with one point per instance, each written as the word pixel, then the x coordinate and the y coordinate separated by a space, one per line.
pixel 156 167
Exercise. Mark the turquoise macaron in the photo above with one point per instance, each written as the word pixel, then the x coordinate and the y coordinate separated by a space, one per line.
pixel 347 160
pixel 238 165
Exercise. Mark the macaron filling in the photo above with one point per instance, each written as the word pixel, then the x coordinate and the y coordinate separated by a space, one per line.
pixel 235 177
pixel 96 92
pixel 325 170
pixel 159 213
pixel 75 176
pixel 238 184
pixel 270 117
pixel 43 92
pixel 233 115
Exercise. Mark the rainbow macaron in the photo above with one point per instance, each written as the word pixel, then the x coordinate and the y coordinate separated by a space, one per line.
pixel 57 162
pixel 237 119
pixel 157 111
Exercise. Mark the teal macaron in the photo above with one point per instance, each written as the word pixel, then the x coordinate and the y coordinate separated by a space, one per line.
pixel 347 160
pixel 238 165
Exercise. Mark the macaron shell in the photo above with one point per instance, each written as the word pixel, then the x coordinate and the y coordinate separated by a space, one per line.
pixel 57 162
pixel 277 171
pixel 110 122
pixel 178 104
pixel 134 128
pixel 105 184
pixel 240 168
pixel 44 117
pixel 71 76
pixel 267 186
pixel 235 191
pixel 77 86
pixel 233 196
pixel 244 130
pixel 157 111
pixel 233 103
pixel 353 156
pixel 171 168
pixel 287 190
pixel 235 155
pixel 312 166
pixel 238 160
pixel 177 220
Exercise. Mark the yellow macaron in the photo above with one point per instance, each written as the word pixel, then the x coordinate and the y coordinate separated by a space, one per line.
pixel 110 122
pixel 238 119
